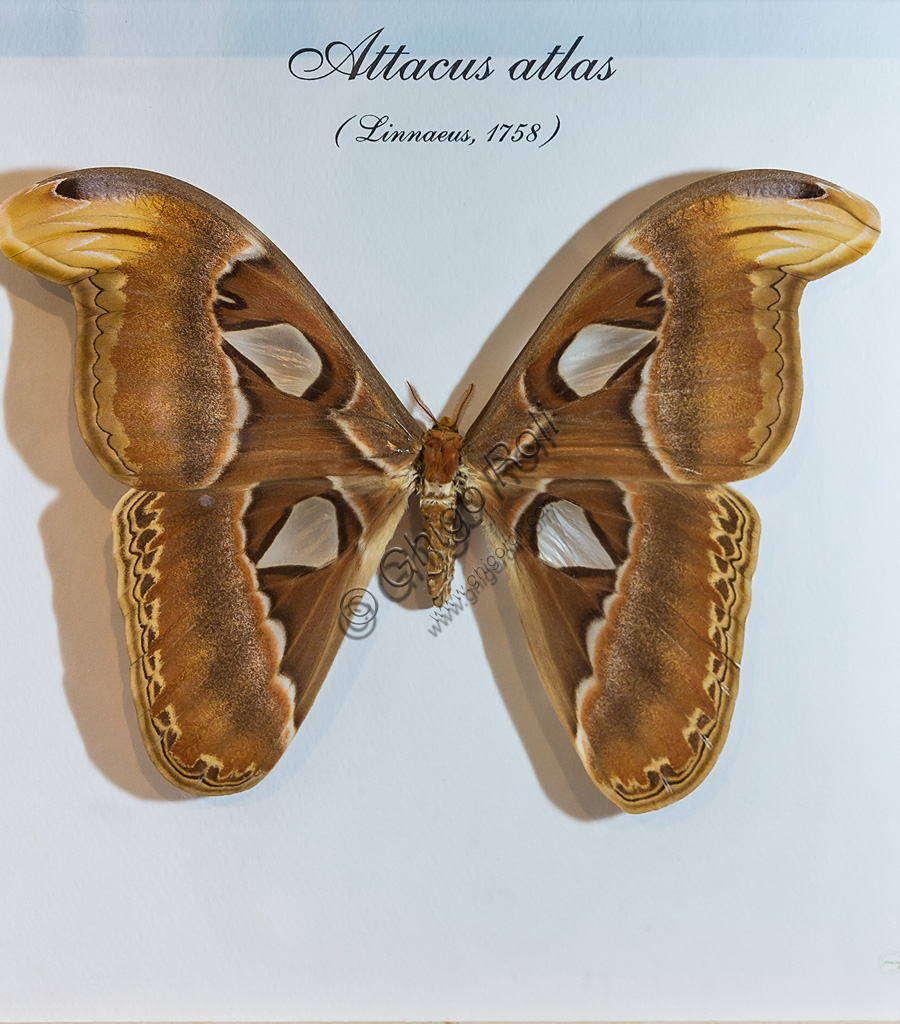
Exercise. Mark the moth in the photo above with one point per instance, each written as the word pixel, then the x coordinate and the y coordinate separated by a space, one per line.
pixel 269 463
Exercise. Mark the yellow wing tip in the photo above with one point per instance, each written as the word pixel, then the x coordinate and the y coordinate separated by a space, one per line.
pixel 803 225
pixel 64 236
pixel 30 235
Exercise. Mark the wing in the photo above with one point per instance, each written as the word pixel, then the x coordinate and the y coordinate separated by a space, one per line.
pixel 232 599
pixel 204 357
pixel 675 353
pixel 670 366
pixel 633 598
pixel 270 460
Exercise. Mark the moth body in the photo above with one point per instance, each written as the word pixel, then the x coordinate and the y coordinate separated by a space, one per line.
pixel 441 446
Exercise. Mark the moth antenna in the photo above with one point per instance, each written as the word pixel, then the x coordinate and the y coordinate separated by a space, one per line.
pixel 420 403
pixel 464 401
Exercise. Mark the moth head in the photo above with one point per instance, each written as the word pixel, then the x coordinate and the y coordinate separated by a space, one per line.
pixel 445 422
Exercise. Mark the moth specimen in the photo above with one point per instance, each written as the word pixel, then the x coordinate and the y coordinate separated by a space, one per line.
pixel 269 463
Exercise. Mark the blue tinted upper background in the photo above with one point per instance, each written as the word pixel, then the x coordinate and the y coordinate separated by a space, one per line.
pixel 268 28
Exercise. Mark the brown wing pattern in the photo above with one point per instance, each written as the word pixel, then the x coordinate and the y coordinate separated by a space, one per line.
pixel 675 353
pixel 232 605
pixel 203 355
pixel 270 458
pixel 633 597
pixel 271 461
pixel 671 365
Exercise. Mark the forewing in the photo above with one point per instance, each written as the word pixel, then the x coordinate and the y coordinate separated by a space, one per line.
pixel 203 357
pixel 675 353
pixel 633 597
pixel 232 600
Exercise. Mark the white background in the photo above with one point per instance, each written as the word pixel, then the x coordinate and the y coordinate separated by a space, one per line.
pixel 429 846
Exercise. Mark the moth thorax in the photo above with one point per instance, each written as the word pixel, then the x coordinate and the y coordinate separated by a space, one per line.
pixel 440 454
pixel 437 500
